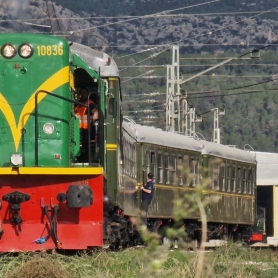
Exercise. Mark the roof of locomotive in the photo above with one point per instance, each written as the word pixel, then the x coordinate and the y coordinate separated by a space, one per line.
pixel 156 136
pixel 227 152
pixel 96 59
pixel 151 135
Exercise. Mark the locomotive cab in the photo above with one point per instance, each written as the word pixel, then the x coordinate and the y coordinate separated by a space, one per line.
pixel 88 143
pixel 90 138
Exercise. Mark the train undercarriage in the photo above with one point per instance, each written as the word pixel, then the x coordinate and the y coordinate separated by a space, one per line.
pixel 121 232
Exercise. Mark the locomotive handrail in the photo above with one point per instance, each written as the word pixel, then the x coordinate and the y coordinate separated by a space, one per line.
pixel 37 124
pixel 247 145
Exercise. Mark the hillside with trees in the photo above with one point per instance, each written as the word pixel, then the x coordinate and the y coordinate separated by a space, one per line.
pixel 140 34
pixel 147 7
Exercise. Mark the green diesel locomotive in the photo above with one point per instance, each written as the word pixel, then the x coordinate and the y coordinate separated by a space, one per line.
pixel 50 198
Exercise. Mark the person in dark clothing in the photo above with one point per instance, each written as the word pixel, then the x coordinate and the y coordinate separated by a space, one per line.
pixel 147 196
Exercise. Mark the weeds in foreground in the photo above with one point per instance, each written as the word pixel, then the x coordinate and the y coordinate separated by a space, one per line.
pixel 227 261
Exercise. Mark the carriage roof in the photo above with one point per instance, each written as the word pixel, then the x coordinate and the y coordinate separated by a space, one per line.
pixel 151 135
pixel 156 136
pixel 227 152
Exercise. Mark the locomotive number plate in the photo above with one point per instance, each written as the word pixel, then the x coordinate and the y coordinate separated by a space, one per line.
pixel 50 50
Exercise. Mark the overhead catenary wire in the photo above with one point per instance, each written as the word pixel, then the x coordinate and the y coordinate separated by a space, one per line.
pixel 245 86
pixel 147 72
pixel 205 70
pixel 157 54
pixel 204 75
pixel 154 46
pixel 193 95
pixel 210 32
pixel 142 111
pixel 198 65
pixel 236 88
pixel 239 57
pixel 214 96
pixel 138 99
pixel 132 16
pixel 257 13
pixel 144 16
pixel 234 94
pixel 168 11
pixel 34 24
pixel 145 94
pixel 118 22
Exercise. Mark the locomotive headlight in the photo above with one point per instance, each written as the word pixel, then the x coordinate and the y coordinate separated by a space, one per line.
pixel 25 50
pixel 8 50
pixel 48 128
pixel 16 159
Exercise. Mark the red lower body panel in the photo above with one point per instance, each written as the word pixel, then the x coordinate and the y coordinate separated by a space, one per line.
pixel 78 236
pixel 25 225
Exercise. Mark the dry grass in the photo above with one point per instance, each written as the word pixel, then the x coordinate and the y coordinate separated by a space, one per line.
pixel 38 265
pixel 227 261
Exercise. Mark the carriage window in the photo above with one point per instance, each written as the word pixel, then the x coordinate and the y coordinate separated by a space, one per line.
pixel 222 178
pixel 167 170
pixel 180 170
pixel 133 161
pixel 244 183
pixel 160 167
pixel 239 179
pixel 130 162
pixel 186 170
pixel 125 160
pixel 233 185
pixel 228 178
pixel 215 176
pixel 249 181
pixel 193 171
pixel 196 171
pixel 173 169
pixel 147 162
pixel 152 159
pixel 253 181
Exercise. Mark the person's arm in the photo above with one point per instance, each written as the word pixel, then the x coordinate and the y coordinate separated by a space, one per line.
pixel 95 114
pixel 94 111
pixel 149 191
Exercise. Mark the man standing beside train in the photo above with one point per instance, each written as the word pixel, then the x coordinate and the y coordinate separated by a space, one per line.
pixel 147 196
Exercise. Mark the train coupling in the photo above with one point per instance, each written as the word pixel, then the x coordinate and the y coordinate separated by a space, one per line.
pixel 15 199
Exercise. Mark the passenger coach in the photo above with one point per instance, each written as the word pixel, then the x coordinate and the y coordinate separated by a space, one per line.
pixel 181 165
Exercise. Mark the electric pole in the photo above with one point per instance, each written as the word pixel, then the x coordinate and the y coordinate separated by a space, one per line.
pixel 54 23
pixel 173 114
pixel 216 129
